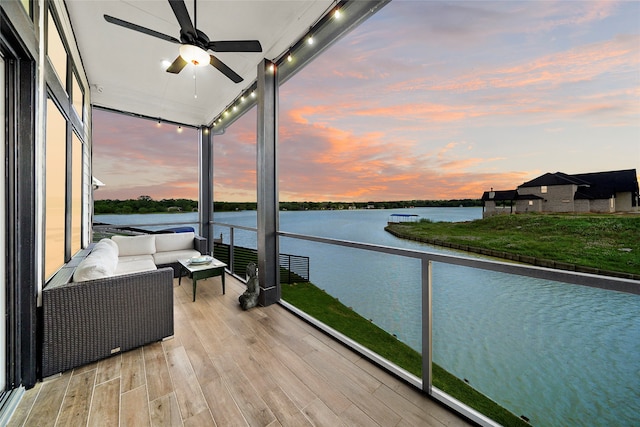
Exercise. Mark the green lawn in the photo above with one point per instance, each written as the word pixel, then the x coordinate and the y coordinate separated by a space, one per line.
pixel 607 242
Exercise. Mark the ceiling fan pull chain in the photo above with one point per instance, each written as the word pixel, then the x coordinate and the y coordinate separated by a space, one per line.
pixel 195 84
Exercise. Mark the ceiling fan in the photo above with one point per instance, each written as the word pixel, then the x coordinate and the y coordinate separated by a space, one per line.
pixel 193 42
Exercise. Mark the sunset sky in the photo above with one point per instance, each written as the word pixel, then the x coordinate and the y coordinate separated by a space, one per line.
pixel 425 100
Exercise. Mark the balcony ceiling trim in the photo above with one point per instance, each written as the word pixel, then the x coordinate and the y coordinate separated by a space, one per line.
pixel 124 67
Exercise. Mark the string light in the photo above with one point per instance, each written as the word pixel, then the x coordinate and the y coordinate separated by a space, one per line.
pixel 289 58
pixel 310 40
pixel 337 14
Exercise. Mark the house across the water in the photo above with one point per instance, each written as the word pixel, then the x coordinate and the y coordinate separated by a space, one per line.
pixel 597 192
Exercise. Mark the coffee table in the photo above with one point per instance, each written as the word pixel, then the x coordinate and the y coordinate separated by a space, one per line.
pixel 202 271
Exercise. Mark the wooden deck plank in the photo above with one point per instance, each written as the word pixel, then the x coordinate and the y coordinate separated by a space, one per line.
pixel 156 371
pixel 333 398
pixel 24 408
pixel 193 344
pixel 190 398
pixel 410 413
pixel 223 407
pixel 229 367
pixel 135 408
pixel 47 406
pixel 320 414
pixel 343 367
pixel 356 391
pixel 203 419
pixel 254 409
pixel 284 409
pixel 132 370
pixel 108 369
pixel 105 405
pixel 354 416
pixel 268 362
pixel 164 411
pixel 77 399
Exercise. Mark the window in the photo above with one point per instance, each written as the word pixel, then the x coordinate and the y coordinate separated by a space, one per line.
pixel 543 189
pixel 77 97
pixel 27 6
pixel 56 51
pixel 55 174
pixel 76 194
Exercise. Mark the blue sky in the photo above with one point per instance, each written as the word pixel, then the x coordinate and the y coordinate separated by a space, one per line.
pixel 425 100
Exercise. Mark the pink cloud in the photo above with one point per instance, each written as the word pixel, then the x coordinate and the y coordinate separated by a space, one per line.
pixel 135 157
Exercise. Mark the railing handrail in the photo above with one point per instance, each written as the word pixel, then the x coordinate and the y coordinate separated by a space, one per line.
pixel 573 277
pixel 241 227
pixel 155 224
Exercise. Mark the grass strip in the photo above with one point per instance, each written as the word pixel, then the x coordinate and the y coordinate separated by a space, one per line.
pixel 606 242
pixel 327 309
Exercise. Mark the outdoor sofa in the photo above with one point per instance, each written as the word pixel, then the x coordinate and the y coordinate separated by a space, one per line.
pixel 112 297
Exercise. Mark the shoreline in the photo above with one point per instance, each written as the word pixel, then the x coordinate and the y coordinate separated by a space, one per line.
pixel 539 262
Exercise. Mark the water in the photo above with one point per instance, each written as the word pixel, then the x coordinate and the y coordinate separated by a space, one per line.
pixel 560 354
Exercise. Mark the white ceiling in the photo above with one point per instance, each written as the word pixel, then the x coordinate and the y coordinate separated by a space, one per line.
pixel 125 70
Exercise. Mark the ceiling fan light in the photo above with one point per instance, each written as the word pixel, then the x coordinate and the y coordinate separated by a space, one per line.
pixel 194 55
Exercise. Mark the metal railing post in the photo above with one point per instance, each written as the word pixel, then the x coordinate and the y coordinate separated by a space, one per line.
pixel 231 244
pixel 426 325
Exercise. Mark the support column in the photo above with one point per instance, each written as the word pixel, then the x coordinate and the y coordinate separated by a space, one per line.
pixel 267 175
pixel 205 180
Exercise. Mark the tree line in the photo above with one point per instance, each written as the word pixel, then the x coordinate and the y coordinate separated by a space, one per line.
pixel 145 204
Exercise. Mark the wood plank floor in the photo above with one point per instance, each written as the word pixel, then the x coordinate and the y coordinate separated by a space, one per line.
pixel 228 367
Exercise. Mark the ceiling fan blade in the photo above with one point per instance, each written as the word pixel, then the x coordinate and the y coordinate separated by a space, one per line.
pixel 187 30
pixel 140 29
pixel 224 69
pixel 236 46
pixel 177 65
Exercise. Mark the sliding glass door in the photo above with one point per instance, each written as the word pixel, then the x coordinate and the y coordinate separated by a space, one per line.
pixel 3 237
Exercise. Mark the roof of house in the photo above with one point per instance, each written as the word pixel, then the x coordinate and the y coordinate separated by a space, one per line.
pixel 500 195
pixel 597 185
pixel 603 185
pixel 557 178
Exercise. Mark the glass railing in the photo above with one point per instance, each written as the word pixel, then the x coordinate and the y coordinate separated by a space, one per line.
pixel 551 347
pixel 501 343
pixel 236 246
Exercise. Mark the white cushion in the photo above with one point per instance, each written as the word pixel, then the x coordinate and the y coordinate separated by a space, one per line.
pixel 135 258
pixel 135 266
pixel 174 241
pixel 162 258
pixel 113 245
pixel 135 245
pixel 101 262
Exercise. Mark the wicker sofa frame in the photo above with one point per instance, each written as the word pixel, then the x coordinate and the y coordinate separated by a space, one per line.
pixel 88 321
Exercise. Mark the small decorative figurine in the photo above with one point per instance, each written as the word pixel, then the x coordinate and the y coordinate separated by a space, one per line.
pixel 250 297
